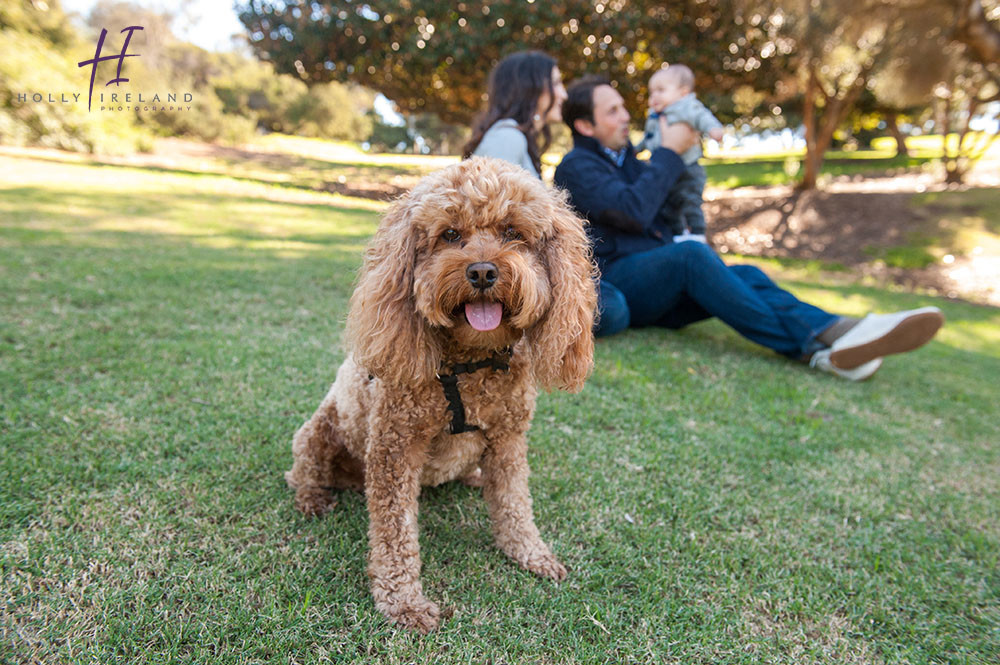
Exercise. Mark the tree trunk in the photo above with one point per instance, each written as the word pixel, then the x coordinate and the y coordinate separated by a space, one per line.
pixel 812 163
pixel 965 153
pixel 892 124
pixel 819 131
pixel 943 123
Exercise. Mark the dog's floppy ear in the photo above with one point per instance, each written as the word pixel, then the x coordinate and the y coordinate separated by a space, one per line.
pixel 384 331
pixel 562 343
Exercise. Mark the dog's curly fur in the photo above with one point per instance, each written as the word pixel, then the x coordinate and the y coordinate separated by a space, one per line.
pixel 384 425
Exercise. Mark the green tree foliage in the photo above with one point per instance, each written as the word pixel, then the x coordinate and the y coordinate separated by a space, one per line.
pixel 40 50
pixel 283 103
pixel 430 56
pixel 762 61
pixel 388 138
pixel 44 20
pixel 114 15
pixel 232 96
pixel 874 116
pixel 334 111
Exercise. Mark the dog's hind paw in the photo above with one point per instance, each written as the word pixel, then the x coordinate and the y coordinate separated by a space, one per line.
pixel 314 501
pixel 546 565
pixel 418 614
pixel 474 479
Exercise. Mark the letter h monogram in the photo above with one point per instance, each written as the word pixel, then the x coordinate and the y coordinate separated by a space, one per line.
pixel 120 57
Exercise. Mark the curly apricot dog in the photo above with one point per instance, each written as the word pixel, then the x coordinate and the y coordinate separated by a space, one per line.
pixel 477 285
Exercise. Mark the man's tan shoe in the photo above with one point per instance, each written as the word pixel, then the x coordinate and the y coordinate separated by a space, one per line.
pixel 879 335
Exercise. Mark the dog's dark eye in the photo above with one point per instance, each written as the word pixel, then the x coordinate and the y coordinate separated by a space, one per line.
pixel 511 234
pixel 451 235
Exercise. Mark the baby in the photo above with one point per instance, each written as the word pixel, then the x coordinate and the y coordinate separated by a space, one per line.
pixel 671 93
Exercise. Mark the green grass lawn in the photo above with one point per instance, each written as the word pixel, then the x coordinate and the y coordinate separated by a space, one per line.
pixel 163 335
pixel 787 169
pixel 737 169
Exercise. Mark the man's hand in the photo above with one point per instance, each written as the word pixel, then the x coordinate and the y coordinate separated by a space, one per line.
pixel 716 133
pixel 678 137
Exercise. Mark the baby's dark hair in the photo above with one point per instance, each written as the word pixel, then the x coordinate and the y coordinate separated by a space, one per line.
pixel 680 73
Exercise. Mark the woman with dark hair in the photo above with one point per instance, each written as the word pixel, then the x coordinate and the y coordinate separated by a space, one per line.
pixel 525 95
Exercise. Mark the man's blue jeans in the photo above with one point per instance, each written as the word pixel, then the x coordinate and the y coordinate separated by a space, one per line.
pixel 678 284
pixel 612 308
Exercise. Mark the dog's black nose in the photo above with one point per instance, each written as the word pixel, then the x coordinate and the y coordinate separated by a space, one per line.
pixel 482 275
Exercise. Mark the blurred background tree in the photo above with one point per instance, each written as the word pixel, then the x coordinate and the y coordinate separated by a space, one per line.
pixel 762 64
pixel 836 48
pixel 434 57
pixel 893 55
pixel 950 69
pixel 40 51
pixel 233 96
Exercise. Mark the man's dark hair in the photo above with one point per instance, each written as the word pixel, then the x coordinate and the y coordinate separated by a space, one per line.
pixel 580 99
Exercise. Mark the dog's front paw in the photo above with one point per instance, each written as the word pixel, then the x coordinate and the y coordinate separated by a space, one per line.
pixel 415 614
pixel 546 565
pixel 314 501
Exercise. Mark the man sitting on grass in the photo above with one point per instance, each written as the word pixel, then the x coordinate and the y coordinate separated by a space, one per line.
pixel 673 284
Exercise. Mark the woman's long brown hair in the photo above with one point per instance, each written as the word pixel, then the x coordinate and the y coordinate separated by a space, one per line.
pixel 515 86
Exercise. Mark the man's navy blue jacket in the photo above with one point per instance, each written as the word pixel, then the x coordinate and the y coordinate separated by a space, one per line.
pixel 622 203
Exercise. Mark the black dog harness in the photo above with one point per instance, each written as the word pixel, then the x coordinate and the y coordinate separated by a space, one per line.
pixel 499 361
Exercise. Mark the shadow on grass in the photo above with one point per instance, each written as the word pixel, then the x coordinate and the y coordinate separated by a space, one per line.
pixel 837 229
pixel 178 218
pixel 980 202
pixel 372 181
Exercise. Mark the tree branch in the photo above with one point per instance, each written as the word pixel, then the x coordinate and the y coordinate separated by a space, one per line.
pixel 974 30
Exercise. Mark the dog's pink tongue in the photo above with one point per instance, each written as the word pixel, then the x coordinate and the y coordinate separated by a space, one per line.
pixel 483 316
